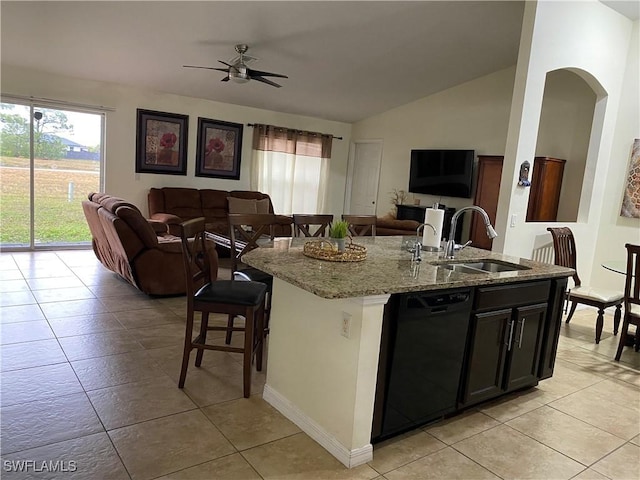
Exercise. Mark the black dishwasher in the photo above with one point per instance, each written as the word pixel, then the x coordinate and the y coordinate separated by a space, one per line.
pixel 423 343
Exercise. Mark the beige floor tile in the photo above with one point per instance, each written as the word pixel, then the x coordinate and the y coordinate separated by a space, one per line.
pixel 113 288
pixel 89 457
pixel 112 370
pixel 462 426
pixel 34 424
pixel 570 436
pixel 581 357
pixel 96 275
pixel 31 354
pixel 7 261
pixel 624 463
pixel 248 422
pixel 73 308
pixel 139 401
pixel 617 392
pixel 48 270
pixel 510 406
pixel 11 274
pixel 54 283
pixel 443 464
pixel 133 301
pixel 39 383
pixel 25 332
pixel 636 440
pixel 300 458
pixel 231 467
pixel 168 335
pixel 590 474
pixel 147 317
pixel 98 344
pixel 510 454
pixel 85 324
pixel 11 299
pixel 21 313
pixel 401 450
pixel 78 258
pixel 13 286
pixel 63 294
pixel 596 409
pixel 211 385
pixel 169 444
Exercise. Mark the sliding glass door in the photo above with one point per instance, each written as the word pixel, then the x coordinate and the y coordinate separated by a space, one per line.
pixel 50 159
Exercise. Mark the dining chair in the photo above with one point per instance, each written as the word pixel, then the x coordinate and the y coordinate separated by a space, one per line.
pixel 631 301
pixel 360 225
pixel 246 232
pixel 206 294
pixel 303 224
pixel 564 247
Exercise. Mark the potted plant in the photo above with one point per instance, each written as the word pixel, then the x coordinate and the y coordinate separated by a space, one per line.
pixel 338 231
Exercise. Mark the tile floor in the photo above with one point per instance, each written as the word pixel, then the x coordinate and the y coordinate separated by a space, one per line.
pixel 89 380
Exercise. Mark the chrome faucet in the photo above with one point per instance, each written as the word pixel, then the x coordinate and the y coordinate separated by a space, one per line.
pixel 451 243
pixel 417 249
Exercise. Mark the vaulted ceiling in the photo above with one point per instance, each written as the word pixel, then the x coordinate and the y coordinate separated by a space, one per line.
pixel 345 60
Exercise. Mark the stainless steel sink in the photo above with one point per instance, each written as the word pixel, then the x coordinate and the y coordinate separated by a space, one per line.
pixel 482 266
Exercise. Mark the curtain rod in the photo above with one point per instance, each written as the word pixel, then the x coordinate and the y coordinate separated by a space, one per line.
pixel 58 103
pixel 285 128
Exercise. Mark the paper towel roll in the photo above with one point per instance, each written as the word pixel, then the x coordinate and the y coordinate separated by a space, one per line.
pixel 435 217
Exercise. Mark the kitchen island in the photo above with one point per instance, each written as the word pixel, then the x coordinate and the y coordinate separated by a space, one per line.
pixel 327 323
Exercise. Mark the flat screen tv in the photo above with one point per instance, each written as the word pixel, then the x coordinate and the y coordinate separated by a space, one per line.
pixel 447 173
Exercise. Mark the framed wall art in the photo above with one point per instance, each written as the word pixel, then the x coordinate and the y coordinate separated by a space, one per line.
pixel 161 142
pixel 219 149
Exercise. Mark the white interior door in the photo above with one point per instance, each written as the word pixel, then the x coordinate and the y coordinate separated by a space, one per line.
pixel 363 174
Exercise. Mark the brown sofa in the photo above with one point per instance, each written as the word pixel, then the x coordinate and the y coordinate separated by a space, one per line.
pixel 173 205
pixel 391 226
pixel 142 252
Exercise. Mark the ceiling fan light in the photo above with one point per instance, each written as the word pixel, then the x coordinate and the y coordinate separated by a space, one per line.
pixel 238 74
pixel 239 79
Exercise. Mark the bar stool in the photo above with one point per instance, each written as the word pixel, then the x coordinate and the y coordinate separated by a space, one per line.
pixel 304 222
pixel 360 225
pixel 207 295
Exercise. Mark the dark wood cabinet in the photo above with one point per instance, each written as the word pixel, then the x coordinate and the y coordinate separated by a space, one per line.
pixel 544 196
pixel 504 343
pixel 551 329
pixel 546 183
pixel 487 192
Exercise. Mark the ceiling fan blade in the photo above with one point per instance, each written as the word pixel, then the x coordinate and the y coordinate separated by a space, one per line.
pixel 206 68
pixel 225 63
pixel 264 80
pixel 253 72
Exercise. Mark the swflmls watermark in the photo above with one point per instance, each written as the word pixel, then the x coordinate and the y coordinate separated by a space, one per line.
pixel 59 466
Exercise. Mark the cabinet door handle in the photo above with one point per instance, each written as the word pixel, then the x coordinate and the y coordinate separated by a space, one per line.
pixel 521 333
pixel 511 325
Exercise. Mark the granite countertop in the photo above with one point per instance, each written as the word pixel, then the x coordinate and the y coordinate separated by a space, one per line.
pixel 387 268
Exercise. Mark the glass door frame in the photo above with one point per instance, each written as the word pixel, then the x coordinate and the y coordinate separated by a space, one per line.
pixel 33 104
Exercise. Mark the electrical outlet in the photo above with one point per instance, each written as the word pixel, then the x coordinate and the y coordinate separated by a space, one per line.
pixel 346 325
pixel 514 217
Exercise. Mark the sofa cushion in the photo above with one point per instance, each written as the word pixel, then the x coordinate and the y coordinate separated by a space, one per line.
pixel 138 224
pixel 183 202
pixel 241 205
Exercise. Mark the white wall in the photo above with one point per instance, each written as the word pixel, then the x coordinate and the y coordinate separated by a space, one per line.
pixel 120 145
pixel 473 115
pixel 615 230
pixel 593 41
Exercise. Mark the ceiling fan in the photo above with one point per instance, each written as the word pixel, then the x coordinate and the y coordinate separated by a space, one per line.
pixel 238 71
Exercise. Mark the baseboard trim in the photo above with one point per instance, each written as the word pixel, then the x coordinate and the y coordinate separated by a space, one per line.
pixel 349 458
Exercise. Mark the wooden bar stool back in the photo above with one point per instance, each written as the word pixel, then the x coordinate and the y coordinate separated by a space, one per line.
pixel 207 295
pixel 564 246
pixel 631 301
pixel 360 225
pixel 246 232
pixel 303 224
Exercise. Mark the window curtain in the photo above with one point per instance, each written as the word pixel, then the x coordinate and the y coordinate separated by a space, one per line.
pixel 292 167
